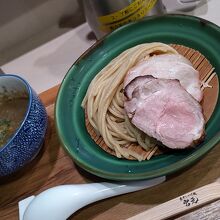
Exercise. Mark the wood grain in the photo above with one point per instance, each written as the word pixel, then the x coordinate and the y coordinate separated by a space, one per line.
pixel 53 167
pixel 48 97
pixel 187 202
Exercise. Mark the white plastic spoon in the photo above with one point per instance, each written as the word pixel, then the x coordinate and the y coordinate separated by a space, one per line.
pixel 58 203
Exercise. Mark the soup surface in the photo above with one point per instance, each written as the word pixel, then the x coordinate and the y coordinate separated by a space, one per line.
pixel 12 113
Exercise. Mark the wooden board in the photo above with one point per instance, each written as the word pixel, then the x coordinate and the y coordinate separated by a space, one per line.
pixel 53 167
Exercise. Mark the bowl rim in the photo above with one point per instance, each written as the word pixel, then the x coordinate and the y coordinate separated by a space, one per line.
pixel 29 91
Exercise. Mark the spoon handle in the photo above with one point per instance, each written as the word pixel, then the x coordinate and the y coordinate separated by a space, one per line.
pixel 106 190
pixel 183 203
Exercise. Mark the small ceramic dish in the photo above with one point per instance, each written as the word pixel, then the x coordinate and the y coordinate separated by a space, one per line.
pixel 23 123
pixel 191 32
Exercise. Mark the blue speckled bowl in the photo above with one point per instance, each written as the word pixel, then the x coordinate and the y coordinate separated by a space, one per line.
pixel 26 142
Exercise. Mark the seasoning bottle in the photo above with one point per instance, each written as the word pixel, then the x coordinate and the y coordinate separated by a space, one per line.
pixel 104 16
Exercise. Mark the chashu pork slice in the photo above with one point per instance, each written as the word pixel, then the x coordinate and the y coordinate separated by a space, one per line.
pixel 169 66
pixel 163 109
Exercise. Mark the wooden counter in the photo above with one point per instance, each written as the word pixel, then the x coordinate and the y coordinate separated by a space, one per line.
pixel 53 167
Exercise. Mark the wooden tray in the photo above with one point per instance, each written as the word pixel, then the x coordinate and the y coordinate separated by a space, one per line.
pixel 53 167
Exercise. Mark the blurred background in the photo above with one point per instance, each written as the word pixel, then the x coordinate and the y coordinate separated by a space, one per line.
pixel 26 24
pixel 41 39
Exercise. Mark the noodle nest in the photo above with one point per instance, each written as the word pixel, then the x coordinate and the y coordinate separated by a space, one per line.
pixel 104 104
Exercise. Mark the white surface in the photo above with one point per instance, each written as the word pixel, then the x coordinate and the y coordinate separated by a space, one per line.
pixel 31 17
pixel 46 66
pixel 58 203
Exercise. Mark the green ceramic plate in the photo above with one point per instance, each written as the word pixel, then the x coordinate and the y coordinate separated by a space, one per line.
pixel 179 29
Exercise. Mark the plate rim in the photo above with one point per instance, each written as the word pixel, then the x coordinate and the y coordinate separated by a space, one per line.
pixel 172 168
